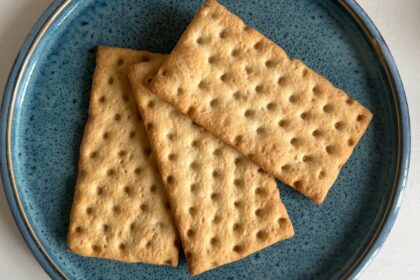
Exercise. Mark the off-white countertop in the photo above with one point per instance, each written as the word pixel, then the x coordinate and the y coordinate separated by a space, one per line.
pixel 399 23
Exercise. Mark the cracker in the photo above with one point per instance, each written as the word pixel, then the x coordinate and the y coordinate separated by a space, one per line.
pixel 224 206
pixel 120 209
pixel 244 89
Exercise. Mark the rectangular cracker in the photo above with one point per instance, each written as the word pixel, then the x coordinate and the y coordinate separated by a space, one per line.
pixel 244 89
pixel 120 209
pixel 224 206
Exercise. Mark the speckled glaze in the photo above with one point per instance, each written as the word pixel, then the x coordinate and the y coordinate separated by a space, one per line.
pixel 51 93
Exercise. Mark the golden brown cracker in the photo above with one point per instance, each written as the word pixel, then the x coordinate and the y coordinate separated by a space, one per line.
pixel 245 90
pixel 120 209
pixel 224 206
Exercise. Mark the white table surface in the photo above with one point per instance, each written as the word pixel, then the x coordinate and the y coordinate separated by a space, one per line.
pixel 399 23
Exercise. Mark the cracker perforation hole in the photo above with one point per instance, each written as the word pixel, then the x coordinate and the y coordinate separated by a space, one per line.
pixel 260 212
pixel 214 241
pixel 261 192
pixel 282 222
pixel 111 80
pixel 293 98
pixel 237 204
pixel 271 63
pixel 316 90
pixel 238 140
pixel 144 207
pixel 93 155
pixel 212 59
pixel 261 131
pixel 170 136
pixel 149 126
pixel 361 117
pixel 151 104
pixel 137 170
pixel 102 99
pixel 214 103
pixel 170 179
pixel 258 46
pixel 117 117
pixel 328 108
pixel 99 190
pixel 105 135
pixel 262 235
pixel 249 113
pixel 237 228
pixel 224 34
pixel 226 78
pixel 298 184
pixel 350 142
pixel 285 167
pixel 317 133
pixel 192 211
pixel 215 174
pixel 202 85
pixel 121 246
pixel 217 152
pixel 217 219
pixel 238 249
pixel 105 227
pixel 110 172
pixel 122 153
pixel 153 188
pixel 281 81
pixel 127 190
pixel 331 149
pixel 271 106
pixel 190 111
pixel 238 182
pixel 116 209
pixel 145 59
pixel 172 157
pixel 307 158
pixel 120 61
pixel 304 73
pixel 235 52
pixel 249 70
pixel 194 188
pixel 125 98
pixel 179 91
pixel 132 134
pixel 79 229
pixel 339 125
pixel 215 196
pixel 284 123
pixel 190 233
pixel 305 116
pixel 89 210
pixel 259 88
pixel 350 101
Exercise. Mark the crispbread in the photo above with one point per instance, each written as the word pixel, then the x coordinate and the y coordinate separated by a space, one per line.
pixel 120 209
pixel 244 89
pixel 224 206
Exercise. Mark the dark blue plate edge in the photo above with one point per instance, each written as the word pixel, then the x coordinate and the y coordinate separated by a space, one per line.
pixel 376 40
pixel 403 122
pixel 23 226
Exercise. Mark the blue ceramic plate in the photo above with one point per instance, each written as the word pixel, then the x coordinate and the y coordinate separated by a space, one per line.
pixel 46 103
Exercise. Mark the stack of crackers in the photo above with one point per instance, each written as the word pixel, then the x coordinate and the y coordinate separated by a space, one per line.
pixel 186 146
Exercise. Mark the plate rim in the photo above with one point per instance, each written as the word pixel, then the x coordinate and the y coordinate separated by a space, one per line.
pixel 351 7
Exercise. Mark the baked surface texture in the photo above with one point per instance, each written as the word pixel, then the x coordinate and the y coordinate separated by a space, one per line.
pixel 247 91
pixel 225 207
pixel 120 209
